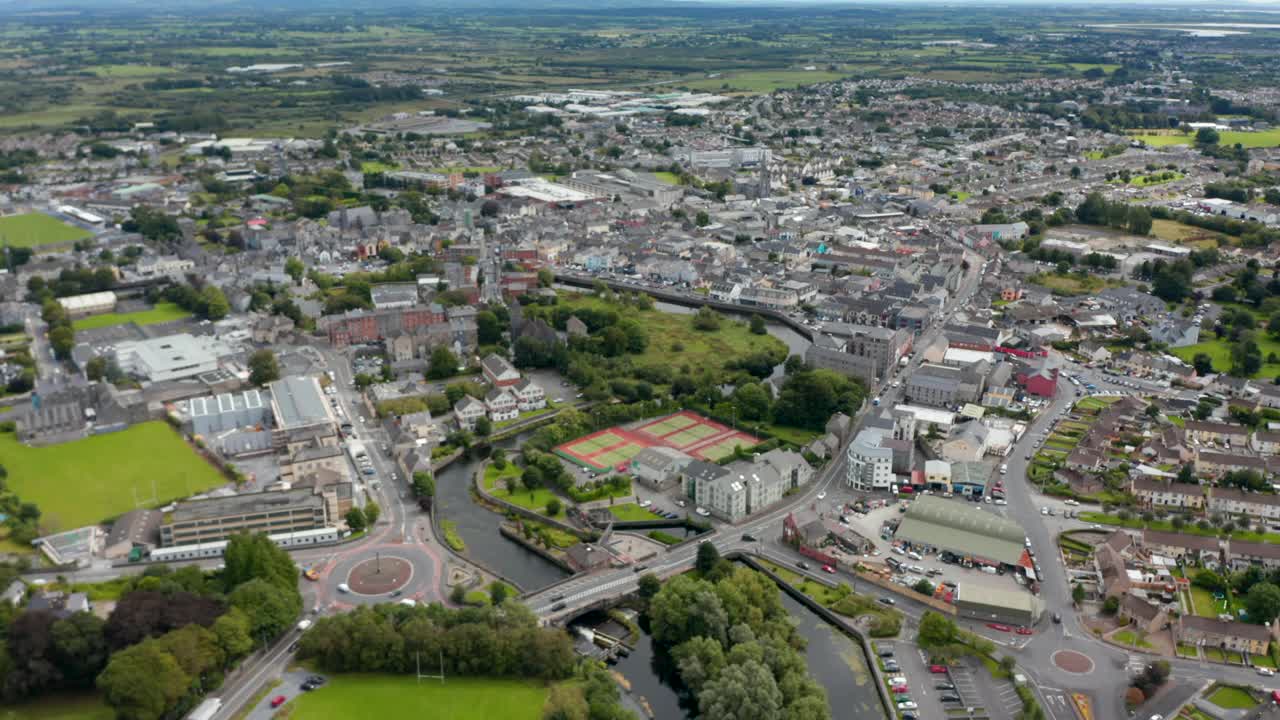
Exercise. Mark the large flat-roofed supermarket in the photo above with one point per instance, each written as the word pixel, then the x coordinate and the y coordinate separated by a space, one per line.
pixel 962 529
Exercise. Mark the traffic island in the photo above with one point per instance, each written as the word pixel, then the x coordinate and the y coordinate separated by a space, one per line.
pixel 379 576
pixel 1073 662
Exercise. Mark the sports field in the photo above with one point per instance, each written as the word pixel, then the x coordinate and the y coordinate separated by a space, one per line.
pixel 463 698
pixel 685 431
pixel 36 229
pixel 162 313
pixel 87 481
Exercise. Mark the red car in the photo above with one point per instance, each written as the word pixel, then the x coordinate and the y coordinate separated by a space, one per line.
pixel 900 688
pixel 1024 631
pixel 277 701
pixel 828 569
pixel 938 669
pixel 998 626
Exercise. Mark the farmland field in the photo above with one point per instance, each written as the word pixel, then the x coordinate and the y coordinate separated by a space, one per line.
pixel 88 481
pixel 762 81
pixel 36 229
pixel 1260 139
pixel 162 313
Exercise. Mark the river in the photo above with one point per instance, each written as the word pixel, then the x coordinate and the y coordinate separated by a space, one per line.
pixel 835 661
pixel 478 526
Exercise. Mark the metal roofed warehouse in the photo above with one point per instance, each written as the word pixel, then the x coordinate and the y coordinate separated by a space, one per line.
pixel 964 530
pixel 991 604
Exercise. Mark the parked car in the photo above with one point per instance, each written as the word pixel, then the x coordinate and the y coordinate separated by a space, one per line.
pixel 1266 672
pixel 907 705
pixel 828 569
pixel 999 626
pixel 950 698
pixel 1025 631
pixel 702 511
pixel 938 669
pixel 278 700
pixel 900 688
pixel 944 686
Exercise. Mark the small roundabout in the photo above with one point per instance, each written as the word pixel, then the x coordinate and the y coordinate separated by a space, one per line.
pixel 1073 662
pixel 379 575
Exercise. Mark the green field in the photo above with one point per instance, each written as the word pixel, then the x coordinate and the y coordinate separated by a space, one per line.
pixel 373 166
pixel 90 480
pixel 698 349
pixel 495 482
pixel 763 81
pixel 1071 284
pixel 632 511
pixel 669 178
pixel 162 313
pixel 354 696
pixel 36 229
pixel 1220 351
pixel 1265 138
pixel 59 707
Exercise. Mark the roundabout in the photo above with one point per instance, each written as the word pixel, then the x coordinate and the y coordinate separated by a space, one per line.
pixel 1073 662
pixel 379 575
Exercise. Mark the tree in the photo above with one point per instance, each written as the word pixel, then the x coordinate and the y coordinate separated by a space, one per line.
pixel 554 507
pixel 546 278
pixel 488 328
pixel 649 585
pixel 706 319
pixel 443 364
pixel 1203 364
pixel 1246 356
pixel 708 558
pixel 936 630
pixel 745 691
pixel 355 519
pixel 142 682
pixel 484 426
pixel 758 325
pixel 263 367
pixel 371 513
pixel 1207 136
pixel 1111 605
pixel 699 659
pixel 61 340
pixel 250 557
pixel 1077 593
pixel 423 484
pixel 295 269
pixel 532 478
pixel 1262 602
pixel 489 208
pixel 80 648
pixel 498 592
pixel 924 587
pixel 232 633
pixel 213 303
pixel 270 608
pixel 96 368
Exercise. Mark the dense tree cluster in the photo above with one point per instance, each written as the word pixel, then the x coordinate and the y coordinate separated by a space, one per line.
pixel 503 641
pixel 734 646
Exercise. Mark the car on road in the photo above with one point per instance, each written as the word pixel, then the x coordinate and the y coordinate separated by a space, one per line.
pixel 802 565
pixel 1266 672
pixel 1025 631
pixel 311 574
pixel 938 669
pixel 1057 618
pixel 646 503
pixel 702 511
pixel 344 588
pixel 887 600
pixel 278 700
pixel 397 593
pixel 828 569
pixel 748 537
pixel 557 607
pixel 822 495
pixel 999 626
pixel 681 503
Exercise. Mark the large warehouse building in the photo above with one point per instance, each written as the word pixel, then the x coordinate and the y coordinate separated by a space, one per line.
pixel 998 605
pixel 228 411
pixel 934 523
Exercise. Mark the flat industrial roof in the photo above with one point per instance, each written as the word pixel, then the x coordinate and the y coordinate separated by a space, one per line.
pixel 962 528
pixel 991 596
pixel 297 401
pixel 211 508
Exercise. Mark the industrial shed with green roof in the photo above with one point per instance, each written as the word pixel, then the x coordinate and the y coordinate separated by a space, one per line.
pixel 991 604
pixel 962 529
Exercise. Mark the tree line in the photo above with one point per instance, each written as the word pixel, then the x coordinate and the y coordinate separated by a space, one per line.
pixel 170 639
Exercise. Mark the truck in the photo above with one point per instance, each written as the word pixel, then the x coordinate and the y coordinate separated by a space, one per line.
pixel 904 361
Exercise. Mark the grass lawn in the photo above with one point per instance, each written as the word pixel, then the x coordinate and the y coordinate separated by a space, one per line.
pixel 61 707
pixel 87 481
pixel 799 437
pixel 535 500
pixel 669 178
pixel 451 536
pixel 1265 661
pixel 493 477
pixel 35 229
pixel 1214 654
pixel 1190 651
pixel 632 511
pixel 700 349
pixel 1205 605
pixel 1176 232
pixel 1130 638
pixel 526 416
pixel 1232 698
pixel 1069 284
pixel 1220 351
pixel 463 698
pixel 162 313
pixel 1266 138
pixel 373 166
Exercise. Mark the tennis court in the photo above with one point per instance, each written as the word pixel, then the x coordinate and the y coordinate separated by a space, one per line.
pixel 672 424
pixel 592 444
pixel 688 437
pixel 725 447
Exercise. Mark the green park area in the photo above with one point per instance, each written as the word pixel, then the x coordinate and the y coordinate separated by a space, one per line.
pixel 674 341
pixel 87 481
pixel 496 481
pixel 372 167
pixel 1219 349
pixel 162 313
pixel 762 81
pixel 463 698
pixel 1261 139
pixel 36 229
pixel 1230 697
pixel 669 178
pixel 60 707
pixel 1176 232
pixel 1069 284
pixel 632 511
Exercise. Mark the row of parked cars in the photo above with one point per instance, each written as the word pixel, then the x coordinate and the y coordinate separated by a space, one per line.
pixel 907 707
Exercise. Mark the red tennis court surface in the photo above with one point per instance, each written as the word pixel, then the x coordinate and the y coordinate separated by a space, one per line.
pixel 685 431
